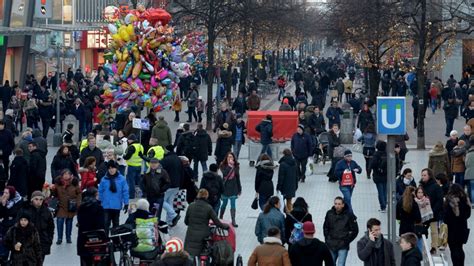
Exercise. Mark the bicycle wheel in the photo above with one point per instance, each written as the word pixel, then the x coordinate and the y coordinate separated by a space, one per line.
pixel 125 261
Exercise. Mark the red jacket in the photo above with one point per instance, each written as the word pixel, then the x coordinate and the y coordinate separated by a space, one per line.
pixel 87 180
pixel 281 83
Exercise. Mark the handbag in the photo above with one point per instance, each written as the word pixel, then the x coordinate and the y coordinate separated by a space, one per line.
pixel 71 205
pixel 347 178
pixel 255 203
pixel 179 201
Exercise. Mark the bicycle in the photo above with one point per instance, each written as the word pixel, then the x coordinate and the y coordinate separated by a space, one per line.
pixel 123 242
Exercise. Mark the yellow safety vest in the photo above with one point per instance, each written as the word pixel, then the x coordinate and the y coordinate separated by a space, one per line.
pixel 159 152
pixel 135 160
pixel 84 144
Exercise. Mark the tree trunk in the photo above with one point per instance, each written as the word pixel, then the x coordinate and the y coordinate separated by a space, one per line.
pixel 210 79
pixel 228 82
pixel 374 81
pixel 420 142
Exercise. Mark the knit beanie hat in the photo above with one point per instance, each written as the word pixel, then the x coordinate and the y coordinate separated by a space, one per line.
pixel 36 194
pixel 174 245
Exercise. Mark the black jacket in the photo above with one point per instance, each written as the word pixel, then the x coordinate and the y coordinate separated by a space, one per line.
pixel 435 194
pixel 223 145
pixel 8 142
pixel 86 152
pixel 379 161
pixel 239 105
pixel 19 175
pixel 302 146
pixel 232 186
pixel 61 162
pixel 367 252
pixel 411 257
pixel 263 178
pixel 90 216
pixel 300 215
pixel 365 118
pixel 202 145
pixel 317 123
pixel 213 183
pixel 340 229
pixel 310 251
pixel 43 221
pixel 401 186
pixel 155 184
pixel 173 166
pixel 265 128
pixel 408 219
pixel 40 141
pixel 457 225
pixel 287 179
pixel 37 168
pixel 185 144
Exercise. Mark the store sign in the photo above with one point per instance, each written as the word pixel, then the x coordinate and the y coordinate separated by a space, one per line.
pixel 67 39
pixel 44 9
pixel 98 40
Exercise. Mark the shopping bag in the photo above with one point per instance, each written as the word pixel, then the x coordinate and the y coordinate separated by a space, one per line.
pixel 347 178
pixel 255 203
pixel 179 201
pixel 443 235
pixel 282 201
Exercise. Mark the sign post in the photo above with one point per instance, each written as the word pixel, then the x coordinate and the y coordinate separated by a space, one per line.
pixel 391 121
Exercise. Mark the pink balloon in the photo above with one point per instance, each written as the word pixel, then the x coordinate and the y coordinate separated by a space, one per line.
pixel 153 82
pixel 163 74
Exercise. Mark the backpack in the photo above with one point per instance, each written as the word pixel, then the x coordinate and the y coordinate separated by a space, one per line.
pixel 382 166
pixel 297 232
pixel 222 253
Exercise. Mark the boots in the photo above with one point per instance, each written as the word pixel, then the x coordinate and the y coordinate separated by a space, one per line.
pixel 232 215
pixel 221 214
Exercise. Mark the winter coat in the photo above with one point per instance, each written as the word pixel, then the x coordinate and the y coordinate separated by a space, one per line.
pixel 450 144
pixel 197 219
pixel 43 221
pixel 86 152
pixel 438 161
pixel 223 144
pixel 271 252
pixel 40 141
pixel 36 170
pixel 265 128
pixel 263 178
pixel 214 184
pixel 61 162
pixel 340 229
pixel 310 250
pixel 334 115
pixel 377 163
pixel 302 146
pixel 8 142
pixel 435 194
pixel 253 102
pixel 316 123
pixel 287 179
pixel 162 133
pixel 334 141
pixel 411 257
pixel 400 186
pixel 90 216
pixel 367 252
pixel 9 212
pixel 224 117
pixel 457 160
pixel 365 118
pixel 266 220
pixel 297 215
pixel 88 179
pixel 64 194
pixel 469 163
pixel 19 175
pixel 458 232
pixel 30 252
pixel 342 165
pixel 113 200
pixel 408 219
pixel 231 179
pixel 185 145
pixel 175 259
pixel 241 127
pixel 239 105
pixel 173 166
pixel 192 99
pixel 202 145
pixel 156 183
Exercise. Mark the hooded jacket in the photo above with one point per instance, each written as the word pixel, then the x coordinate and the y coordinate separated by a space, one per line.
pixel 43 222
pixel 113 200
pixel 340 229
pixel 378 164
pixel 287 179
pixel 310 250
pixel 223 144
pixel 457 159
pixel 438 160
pixel 40 141
pixel 202 145
pixel 263 178
pixel 265 128
pixel 270 253
pixel 213 183
pixel 173 166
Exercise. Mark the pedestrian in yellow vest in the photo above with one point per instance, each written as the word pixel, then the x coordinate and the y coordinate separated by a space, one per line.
pixel 155 151
pixel 134 161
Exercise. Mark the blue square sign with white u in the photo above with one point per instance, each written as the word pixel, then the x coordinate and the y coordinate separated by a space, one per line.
pixel 391 115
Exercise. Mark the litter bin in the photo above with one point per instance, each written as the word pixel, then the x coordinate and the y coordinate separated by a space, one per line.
pixel 347 125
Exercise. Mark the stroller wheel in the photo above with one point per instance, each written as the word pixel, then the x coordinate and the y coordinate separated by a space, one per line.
pixel 252 163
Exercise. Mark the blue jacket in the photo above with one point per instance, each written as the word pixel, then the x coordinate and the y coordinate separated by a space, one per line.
pixel 113 200
pixel 266 220
pixel 334 115
pixel 341 165
pixel 302 145
pixel 265 128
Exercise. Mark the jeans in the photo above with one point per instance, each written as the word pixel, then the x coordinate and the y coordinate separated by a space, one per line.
pixel 382 193
pixel 216 206
pixel 225 199
pixel 191 114
pixel 60 223
pixel 449 125
pixel 470 189
pixel 262 200
pixel 237 146
pixel 301 168
pixel 347 194
pixel 196 165
pixel 133 179
pixel 170 194
pixel 434 105
pixel 459 179
pixel 340 254
pixel 281 93
pixel 158 204
pixel 111 216
pixel 266 149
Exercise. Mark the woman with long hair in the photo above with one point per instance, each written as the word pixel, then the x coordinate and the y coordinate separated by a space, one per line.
pixel 232 187
pixel 408 212
pixel 264 188
pixel 63 160
pixel 271 216
pixel 457 209
pixel 299 214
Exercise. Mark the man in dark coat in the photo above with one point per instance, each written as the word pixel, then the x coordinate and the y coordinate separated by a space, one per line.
pixel 302 148
pixel 239 105
pixel 91 150
pixel 373 249
pixel 202 149
pixel 213 183
pixel 45 106
pixel 40 141
pixel 37 169
pixel 173 166
pixel 185 143
pixel 316 122
pixel 7 144
pixel 310 249
pixel 155 182
pixel 287 179
pixel 224 116
pixel 265 128
pixel 19 173
pixel 42 220
pixel 340 229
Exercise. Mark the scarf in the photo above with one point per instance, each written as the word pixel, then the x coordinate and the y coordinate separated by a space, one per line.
pixel 454 204
pixel 13 201
pixel 425 209
pixel 407 181
pixel 113 186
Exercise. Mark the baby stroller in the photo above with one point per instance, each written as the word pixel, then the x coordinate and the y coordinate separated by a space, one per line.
pixel 321 148
pixel 219 248
pixel 99 247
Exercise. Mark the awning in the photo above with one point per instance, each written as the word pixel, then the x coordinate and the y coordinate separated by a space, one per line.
pixel 16 31
pixel 72 27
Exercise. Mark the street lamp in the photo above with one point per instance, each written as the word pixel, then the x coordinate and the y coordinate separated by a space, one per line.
pixel 58 52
